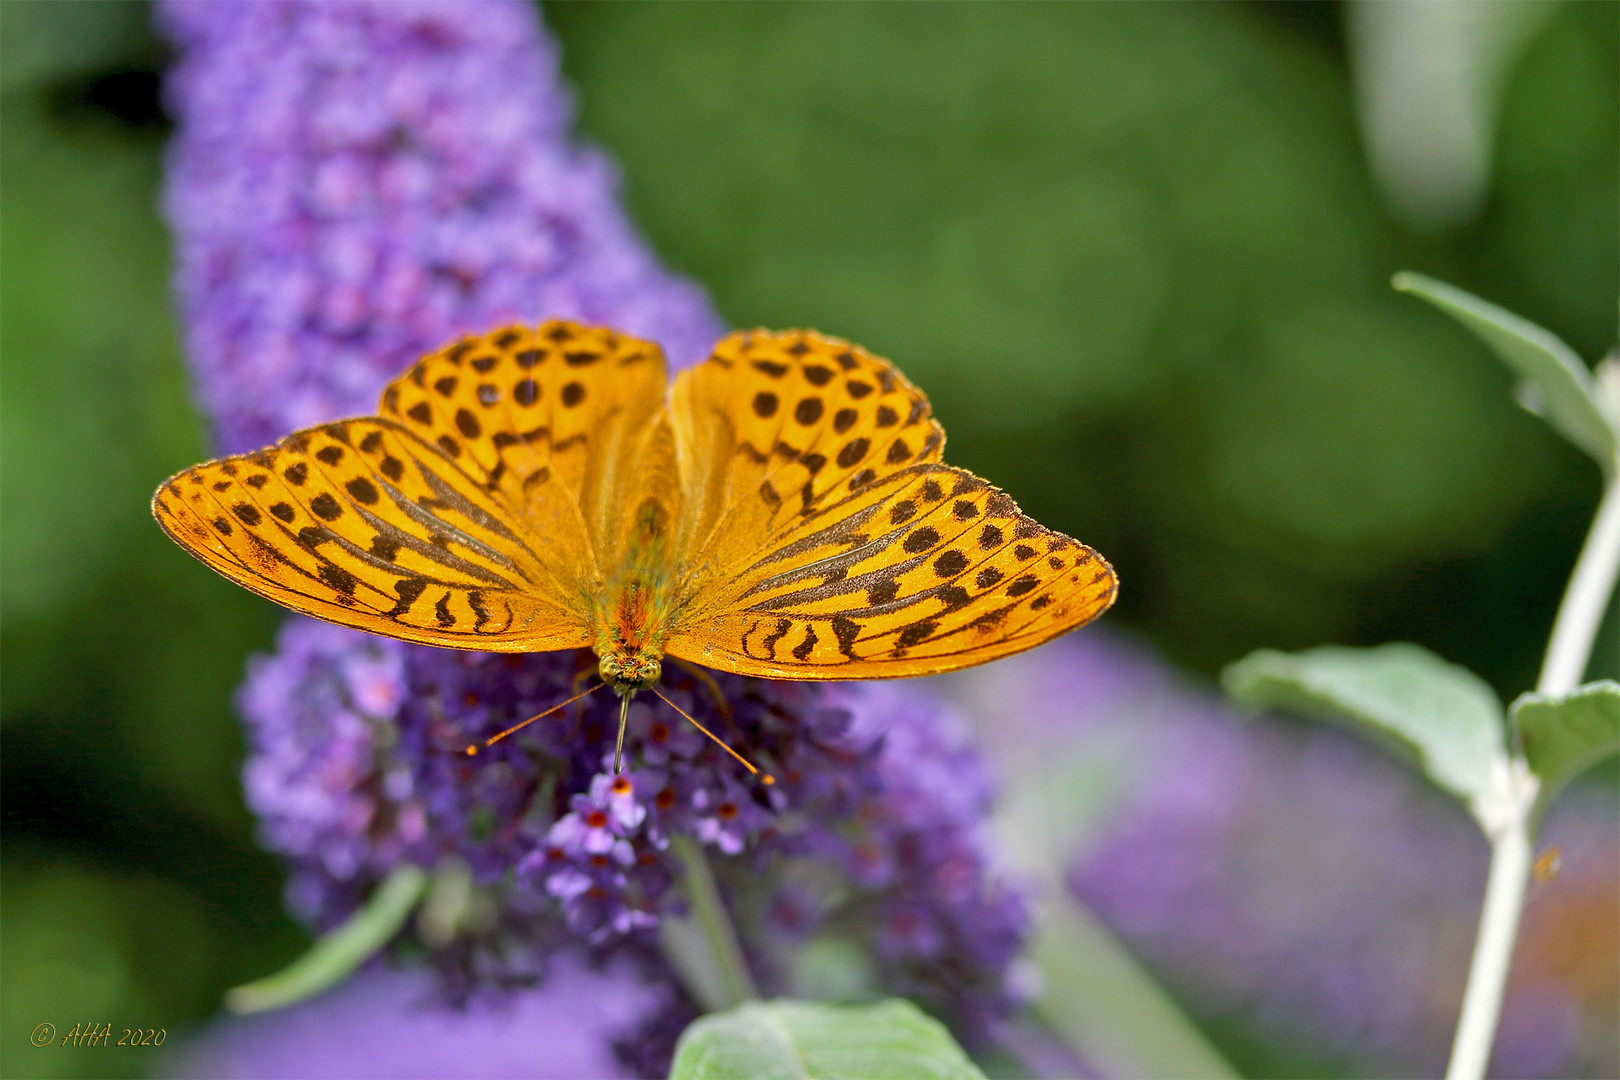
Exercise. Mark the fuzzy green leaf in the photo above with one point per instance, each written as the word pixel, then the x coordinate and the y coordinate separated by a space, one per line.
pixel 798 1040
pixel 1560 386
pixel 1564 736
pixel 1443 715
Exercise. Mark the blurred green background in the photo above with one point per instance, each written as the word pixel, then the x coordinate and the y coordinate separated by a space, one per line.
pixel 1133 251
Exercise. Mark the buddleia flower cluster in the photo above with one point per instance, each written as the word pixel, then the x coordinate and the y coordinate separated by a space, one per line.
pixel 353 184
pixel 872 835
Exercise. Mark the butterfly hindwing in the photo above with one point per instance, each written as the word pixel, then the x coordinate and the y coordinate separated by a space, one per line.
pixel 551 418
pixel 887 562
pixel 363 523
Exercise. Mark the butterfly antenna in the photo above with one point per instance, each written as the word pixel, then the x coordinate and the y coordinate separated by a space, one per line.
pixel 473 748
pixel 765 778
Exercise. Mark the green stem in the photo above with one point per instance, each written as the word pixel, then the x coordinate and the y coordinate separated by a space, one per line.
pixel 1506 815
pixel 331 959
pixel 1105 1004
pixel 1097 997
pixel 1493 951
pixel 1590 587
pixel 706 951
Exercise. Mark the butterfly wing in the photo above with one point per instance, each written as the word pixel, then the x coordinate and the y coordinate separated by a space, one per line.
pixel 829 541
pixel 553 419
pixel 453 519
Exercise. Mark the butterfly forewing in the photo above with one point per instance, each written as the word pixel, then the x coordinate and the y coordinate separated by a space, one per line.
pixel 871 559
pixel 549 418
pixel 363 523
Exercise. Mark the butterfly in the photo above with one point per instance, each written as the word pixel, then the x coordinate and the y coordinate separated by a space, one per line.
pixel 781 510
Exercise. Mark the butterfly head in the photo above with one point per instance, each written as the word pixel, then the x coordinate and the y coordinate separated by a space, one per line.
pixel 630 670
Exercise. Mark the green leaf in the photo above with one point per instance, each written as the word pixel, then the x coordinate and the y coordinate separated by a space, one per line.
pixel 791 1040
pixel 1564 736
pixel 331 959
pixel 1560 386
pixel 1443 714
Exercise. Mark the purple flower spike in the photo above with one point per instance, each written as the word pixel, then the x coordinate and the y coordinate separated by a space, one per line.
pixel 877 786
pixel 356 183
pixel 353 184
pixel 316 711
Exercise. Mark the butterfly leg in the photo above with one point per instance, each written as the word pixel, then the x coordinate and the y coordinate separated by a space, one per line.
pixel 713 687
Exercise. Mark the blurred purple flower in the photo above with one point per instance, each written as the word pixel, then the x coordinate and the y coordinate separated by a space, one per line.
pixel 393 1025
pixel 1287 875
pixel 354 183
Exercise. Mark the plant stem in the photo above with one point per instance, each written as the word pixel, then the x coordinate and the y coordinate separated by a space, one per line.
pixel 720 976
pixel 1498 929
pixel 1507 819
pixel 336 955
pixel 1590 587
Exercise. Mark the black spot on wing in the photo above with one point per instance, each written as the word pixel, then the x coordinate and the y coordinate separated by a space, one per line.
pixel 846 630
pixel 408 590
pixel 338 579
pixel 808 410
pixel 802 650
pixel 920 540
pixel 782 627
pixel 915 633
pixel 362 490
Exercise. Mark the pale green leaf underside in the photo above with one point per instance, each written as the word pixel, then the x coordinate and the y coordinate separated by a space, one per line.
pixel 796 1040
pixel 1562 385
pixel 1444 715
pixel 1564 736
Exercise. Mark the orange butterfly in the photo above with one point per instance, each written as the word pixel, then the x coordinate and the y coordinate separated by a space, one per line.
pixel 783 513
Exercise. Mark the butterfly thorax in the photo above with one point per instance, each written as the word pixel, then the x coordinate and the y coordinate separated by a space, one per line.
pixel 634 623
pixel 630 643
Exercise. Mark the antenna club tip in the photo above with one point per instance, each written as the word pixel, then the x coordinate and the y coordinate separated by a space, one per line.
pixel 471 751
pixel 767 779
